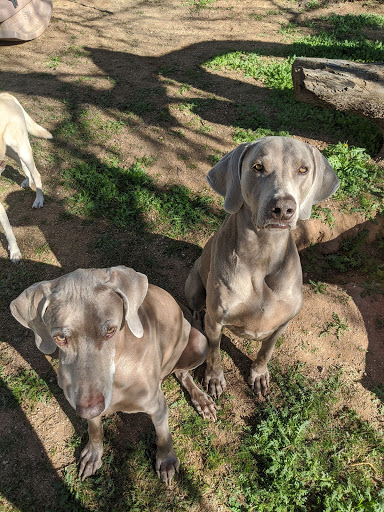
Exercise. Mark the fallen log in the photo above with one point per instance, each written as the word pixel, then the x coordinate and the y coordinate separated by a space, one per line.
pixel 353 87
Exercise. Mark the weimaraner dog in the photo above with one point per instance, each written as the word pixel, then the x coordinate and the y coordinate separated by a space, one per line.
pixel 118 338
pixel 249 277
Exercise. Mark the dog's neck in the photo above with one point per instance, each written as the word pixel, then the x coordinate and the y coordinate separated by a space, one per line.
pixel 268 246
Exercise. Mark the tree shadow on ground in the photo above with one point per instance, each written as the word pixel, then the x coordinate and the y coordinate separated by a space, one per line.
pixel 27 478
pixel 139 87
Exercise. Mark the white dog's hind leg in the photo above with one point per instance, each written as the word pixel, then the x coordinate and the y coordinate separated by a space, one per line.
pixel 29 168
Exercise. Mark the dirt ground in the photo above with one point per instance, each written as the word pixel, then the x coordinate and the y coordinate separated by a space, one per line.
pixel 102 55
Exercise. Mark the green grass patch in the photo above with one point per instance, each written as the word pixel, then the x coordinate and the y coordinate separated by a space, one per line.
pixel 197 5
pixel 281 114
pixel 129 197
pixel 359 178
pixel 307 455
pixel 274 73
pixel 344 37
pixel 23 386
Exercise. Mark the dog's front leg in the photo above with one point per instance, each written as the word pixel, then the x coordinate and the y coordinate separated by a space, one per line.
pixel 90 459
pixel 166 461
pixel 214 380
pixel 259 375
pixel 14 251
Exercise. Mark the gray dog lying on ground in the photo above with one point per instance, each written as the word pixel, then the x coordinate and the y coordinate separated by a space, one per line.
pixel 249 277
pixel 118 338
pixel 15 124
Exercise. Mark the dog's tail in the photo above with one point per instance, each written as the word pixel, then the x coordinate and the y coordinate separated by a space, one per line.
pixel 35 129
pixel 32 127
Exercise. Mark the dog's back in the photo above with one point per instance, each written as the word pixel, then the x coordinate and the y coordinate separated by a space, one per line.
pixel 14 117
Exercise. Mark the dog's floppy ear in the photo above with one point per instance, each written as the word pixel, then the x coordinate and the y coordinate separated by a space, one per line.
pixel 325 183
pixel 132 287
pixel 224 178
pixel 29 309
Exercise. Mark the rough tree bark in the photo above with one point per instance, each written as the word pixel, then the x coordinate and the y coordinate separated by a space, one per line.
pixel 356 88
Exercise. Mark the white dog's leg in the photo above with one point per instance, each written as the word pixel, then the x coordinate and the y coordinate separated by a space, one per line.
pixel 3 163
pixel 29 168
pixel 14 250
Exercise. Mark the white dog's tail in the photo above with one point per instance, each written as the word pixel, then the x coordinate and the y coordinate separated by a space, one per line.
pixel 35 129
pixel 32 127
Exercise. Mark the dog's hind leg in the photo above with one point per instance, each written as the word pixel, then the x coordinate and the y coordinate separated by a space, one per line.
pixel 14 251
pixel 29 168
pixel 194 288
pixel 193 356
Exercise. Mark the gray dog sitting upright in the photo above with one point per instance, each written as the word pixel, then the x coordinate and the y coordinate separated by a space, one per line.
pixel 249 277
pixel 118 338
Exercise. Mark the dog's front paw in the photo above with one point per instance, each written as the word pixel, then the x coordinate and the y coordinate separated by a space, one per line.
pixel 15 256
pixel 214 382
pixel 204 404
pixel 90 459
pixel 167 466
pixel 259 382
pixel 14 253
pixel 38 202
pixel 25 183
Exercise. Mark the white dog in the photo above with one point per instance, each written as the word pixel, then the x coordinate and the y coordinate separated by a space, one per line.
pixel 15 124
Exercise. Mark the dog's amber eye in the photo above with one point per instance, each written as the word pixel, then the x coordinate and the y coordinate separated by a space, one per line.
pixel 60 339
pixel 110 332
pixel 303 170
pixel 258 167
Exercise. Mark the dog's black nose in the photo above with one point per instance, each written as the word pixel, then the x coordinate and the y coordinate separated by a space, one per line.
pixel 91 406
pixel 282 208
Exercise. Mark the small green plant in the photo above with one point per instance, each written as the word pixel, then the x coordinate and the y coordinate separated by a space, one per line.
pixel 313 4
pixel 184 88
pixel 53 62
pixel 241 135
pixel 274 73
pixel 337 327
pixel 344 38
pixel 350 255
pixel 372 288
pixel 215 158
pixel 379 322
pixel 325 214
pixel 254 16
pixel 200 4
pixel 318 287
pixel 359 178
pixel 42 250
pixel 288 29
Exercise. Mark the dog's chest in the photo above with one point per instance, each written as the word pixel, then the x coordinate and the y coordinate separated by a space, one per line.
pixel 255 309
